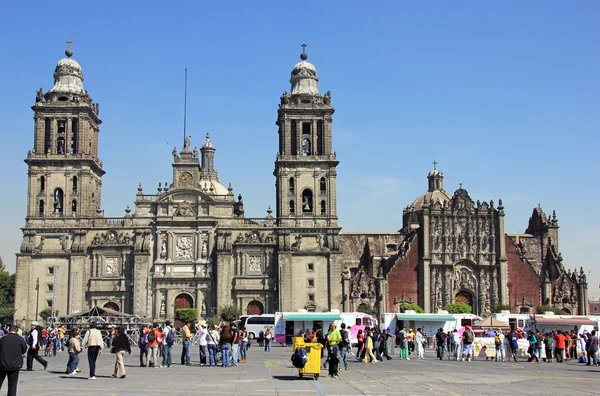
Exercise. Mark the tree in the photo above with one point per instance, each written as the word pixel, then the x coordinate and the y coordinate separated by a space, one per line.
pixel 459 308
pixel 46 313
pixel 366 308
pixel 213 320
pixel 229 313
pixel 7 287
pixel 548 308
pixel 410 307
pixel 186 314
pixel 501 307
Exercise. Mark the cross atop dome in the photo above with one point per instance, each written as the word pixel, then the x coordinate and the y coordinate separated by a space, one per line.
pixel 69 51
pixel 304 55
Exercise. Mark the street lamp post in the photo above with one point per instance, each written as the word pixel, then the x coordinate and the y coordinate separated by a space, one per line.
pixel 37 300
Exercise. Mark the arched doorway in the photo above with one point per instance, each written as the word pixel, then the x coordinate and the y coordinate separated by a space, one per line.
pixel 464 297
pixel 255 308
pixel 112 305
pixel 183 300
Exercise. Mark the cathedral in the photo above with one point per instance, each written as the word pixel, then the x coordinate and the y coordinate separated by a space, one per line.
pixel 190 244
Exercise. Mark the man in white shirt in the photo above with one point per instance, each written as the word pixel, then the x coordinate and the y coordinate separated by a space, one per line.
pixel 34 339
pixel 201 331
pixel 456 341
pixel 166 347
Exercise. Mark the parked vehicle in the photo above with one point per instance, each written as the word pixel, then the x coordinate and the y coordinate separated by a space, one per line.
pixel 256 323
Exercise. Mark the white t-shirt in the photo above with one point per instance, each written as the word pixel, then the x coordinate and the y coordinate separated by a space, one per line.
pixel 456 338
pixel 201 336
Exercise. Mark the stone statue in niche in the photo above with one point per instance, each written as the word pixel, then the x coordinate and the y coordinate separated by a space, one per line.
pixel 204 249
pixel 372 290
pixel 174 152
pixel 163 311
pixel 196 152
pixel 163 249
pixel 186 144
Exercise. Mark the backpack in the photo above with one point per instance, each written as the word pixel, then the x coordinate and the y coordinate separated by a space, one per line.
pixel 469 336
pixel 299 358
pixel 345 341
pixel 497 340
pixel 170 336
pixel 151 337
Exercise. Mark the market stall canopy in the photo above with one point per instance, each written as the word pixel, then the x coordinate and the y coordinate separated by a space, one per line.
pixel 312 316
pixel 101 316
pixel 491 322
pixel 426 317
pixel 570 321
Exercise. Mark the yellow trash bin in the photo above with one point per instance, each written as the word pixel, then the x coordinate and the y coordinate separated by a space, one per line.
pixel 313 352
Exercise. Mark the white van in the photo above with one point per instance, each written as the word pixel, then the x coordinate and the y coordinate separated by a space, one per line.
pixel 254 324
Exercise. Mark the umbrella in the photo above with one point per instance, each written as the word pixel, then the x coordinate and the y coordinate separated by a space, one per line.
pixel 491 322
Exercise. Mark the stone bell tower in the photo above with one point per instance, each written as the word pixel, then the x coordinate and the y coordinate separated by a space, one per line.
pixel 65 174
pixel 305 171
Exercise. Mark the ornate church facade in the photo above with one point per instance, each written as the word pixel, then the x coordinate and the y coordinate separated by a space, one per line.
pixel 191 245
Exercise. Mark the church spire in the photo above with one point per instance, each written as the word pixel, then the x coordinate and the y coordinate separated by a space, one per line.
pixel 436 179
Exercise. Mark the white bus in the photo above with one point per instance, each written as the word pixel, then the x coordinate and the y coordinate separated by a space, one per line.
pixel 254 324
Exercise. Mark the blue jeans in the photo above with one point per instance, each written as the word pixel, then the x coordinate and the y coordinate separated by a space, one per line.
pixel 267 345
pixel 185 353
pixel 166 351
pixel 344 357
pixel 225 349
pixel 500 350
pixel 55 346
pixel 212 355
pixel 538 352
pixel 234 353
pixel 440 350
pixel 202 354
pixel 244 348
pixel 73 362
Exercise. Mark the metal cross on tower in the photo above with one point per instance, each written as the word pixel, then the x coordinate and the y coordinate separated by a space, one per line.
pixel 304 47
pixel 434 164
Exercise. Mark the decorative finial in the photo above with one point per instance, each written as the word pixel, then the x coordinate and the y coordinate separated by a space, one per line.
pixel 140 188
pixel 127 210
pixel 69 51
pixel 304 55
pixel 460 186
pixel 207 135
pixel 435 165
pixel 269 211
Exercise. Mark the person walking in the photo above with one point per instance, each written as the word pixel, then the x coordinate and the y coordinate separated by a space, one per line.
pixel 12 349
pixel 418 340
pixel 368 346
pixel 440 339
pixel 467 339
pixel 120 346
pixel 403 344
pixel 74 348
pixel 532 347
pixel 168 338
pixel 456 341
pixel 212 339
pixel 244 346
pixel 334 338
pixel 593 349
pixel 152 345
pixel 268 339
pixel 142 344
pixel 186 338
pixel 360 338
pixel 201 332
pixel 514 345
pixel 93 342
pixel 559 348
pixel 235 344
pixel 383 344
pixel 344 345
pixel 34 340
pixel 499 343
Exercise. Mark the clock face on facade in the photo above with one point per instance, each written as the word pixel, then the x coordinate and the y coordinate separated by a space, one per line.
pixel 185 178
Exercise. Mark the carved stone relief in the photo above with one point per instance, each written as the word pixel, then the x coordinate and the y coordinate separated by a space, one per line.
pixel 111 265
pixel 183 248
pixel 254 264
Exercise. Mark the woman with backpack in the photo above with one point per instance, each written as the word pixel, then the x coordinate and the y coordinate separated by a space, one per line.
pixel 499 342
pixel 360 338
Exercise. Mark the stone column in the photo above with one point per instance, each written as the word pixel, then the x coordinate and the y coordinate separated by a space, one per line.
pixel 170 247
pixel 426 260
pixel 503 295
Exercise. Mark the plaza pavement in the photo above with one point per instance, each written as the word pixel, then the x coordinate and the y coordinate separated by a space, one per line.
pixel 272 374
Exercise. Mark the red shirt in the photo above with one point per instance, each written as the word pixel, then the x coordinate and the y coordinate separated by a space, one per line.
pixel 560 341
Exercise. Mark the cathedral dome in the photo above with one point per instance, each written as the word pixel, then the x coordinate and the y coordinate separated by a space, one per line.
pixel 435 191
pixel 304 78
pixel 68 76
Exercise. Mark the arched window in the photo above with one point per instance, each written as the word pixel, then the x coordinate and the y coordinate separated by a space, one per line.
pixel 292 185
pixel 437 184
pixel 41 207
pixel 306 147
pixel 322 185
pixel 74 207
pixel 60 145
pixel 292 207
pixel 58 200
pixel 307 201
pixel 323 211
pixel 74 183
pixel 42 183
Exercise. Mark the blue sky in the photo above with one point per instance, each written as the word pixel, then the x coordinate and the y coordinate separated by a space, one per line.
pixel 504 95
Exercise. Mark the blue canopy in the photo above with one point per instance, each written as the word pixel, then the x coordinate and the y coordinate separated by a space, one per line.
pixel 311 316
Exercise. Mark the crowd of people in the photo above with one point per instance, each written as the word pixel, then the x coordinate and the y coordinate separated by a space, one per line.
pixel 225 345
